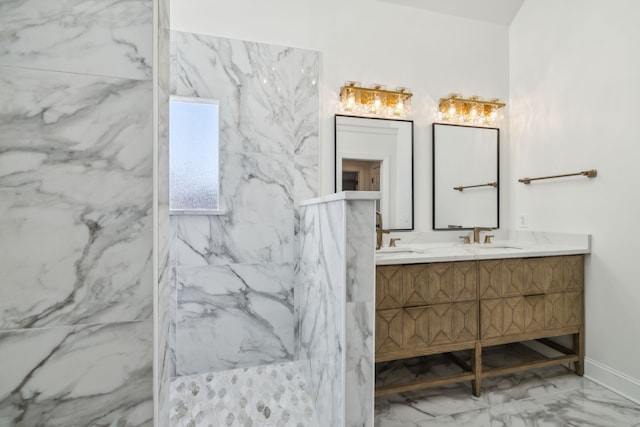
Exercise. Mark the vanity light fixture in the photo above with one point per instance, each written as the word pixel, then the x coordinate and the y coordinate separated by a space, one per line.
pixel 375 101
pixel 472 110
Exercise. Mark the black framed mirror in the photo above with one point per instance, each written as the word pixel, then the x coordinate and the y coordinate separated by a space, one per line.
pixel 466 177
pixel 375 154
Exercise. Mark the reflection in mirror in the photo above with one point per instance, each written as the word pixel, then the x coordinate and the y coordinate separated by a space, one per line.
pixel 377 155
pixel 465 177
pixel 361 175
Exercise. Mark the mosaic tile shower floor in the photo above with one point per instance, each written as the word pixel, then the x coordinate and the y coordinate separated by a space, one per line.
pixel 273 395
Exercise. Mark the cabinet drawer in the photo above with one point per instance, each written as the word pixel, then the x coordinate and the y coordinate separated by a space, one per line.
pixel 501 317
pixel 425 284
pixel 530 276
pixel 415 329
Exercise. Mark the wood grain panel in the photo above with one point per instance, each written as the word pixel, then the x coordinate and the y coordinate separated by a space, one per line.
pixel 440 324
pixel 491 318
pixel 389 330
pixel 574 304
pixel 389 286
pixel 548 275
pixel 534 313
pixel 529 276
pixel 491 277
pixel 427 284
pixel 574 273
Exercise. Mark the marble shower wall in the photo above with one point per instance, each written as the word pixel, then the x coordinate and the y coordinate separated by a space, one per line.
pixel 234 272
pixel 335 307
pixel 76 140
pixel 163 346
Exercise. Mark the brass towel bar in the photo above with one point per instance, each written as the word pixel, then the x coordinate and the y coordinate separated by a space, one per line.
pixel 490 184
pixel 591 173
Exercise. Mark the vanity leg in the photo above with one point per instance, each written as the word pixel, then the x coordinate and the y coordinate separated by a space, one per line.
pixel 476 367
pixel 578 348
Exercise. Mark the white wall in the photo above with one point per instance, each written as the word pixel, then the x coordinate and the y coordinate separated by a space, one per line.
pixel 574 105
pixel 372 42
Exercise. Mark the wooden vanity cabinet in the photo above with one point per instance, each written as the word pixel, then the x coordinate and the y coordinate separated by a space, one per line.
pixel 425 309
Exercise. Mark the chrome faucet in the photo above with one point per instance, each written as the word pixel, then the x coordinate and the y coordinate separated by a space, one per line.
pixel 476 233
pixel 379 230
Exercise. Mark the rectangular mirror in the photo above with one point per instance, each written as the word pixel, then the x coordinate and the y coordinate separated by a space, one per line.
pixel 466 177
pixel 377 155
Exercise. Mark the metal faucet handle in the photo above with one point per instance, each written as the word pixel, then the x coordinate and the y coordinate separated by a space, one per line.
pixel 487 238
pixel 476 233
pixel 392 242
pixel 466 239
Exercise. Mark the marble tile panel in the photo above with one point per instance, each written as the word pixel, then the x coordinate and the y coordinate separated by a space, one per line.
pixel 359 377
pixel 428 403
pixel 173 63
pixel 441 421
pixel 320 294
pixel 77 376
pixel 273 395
pixel 305 177
pixel 258 223
pixel 360 251
pixel 590 406
pixel 562 378
pixel 414 369
pixel 164 14
pixel 268 94
pixel 165 368
pixel 75 199
pixel 108 38
pixel 233 316
pixel 522 399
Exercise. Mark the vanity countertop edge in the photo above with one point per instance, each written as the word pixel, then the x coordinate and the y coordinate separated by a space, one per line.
pixel 518 245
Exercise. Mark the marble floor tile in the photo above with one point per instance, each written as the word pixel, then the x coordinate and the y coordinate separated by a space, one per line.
pixel 549 397
pixel 591 406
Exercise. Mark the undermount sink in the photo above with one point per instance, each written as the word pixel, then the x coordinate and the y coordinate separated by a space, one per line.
pixel 398 250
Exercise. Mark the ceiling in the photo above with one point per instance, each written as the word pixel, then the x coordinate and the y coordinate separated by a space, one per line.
pixel 495 11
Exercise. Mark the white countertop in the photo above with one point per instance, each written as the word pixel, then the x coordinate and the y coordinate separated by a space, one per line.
pixel 343 195
pixel 519 244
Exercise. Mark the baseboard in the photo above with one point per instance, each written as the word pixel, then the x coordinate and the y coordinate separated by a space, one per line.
pixel 599 373
pixel 612 379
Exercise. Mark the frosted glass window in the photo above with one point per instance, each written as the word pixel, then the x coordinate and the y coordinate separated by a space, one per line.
pixel 193 154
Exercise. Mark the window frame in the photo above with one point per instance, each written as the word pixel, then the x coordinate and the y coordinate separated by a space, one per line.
pixel 220 210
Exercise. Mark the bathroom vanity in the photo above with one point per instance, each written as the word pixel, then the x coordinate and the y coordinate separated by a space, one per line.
pixel 440 299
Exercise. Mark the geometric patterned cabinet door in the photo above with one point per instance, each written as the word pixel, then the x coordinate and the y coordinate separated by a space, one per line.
pixel 504 317
pixel 440 324
pixel 425 284
pixel 423 330
pixel 389 331
pixel 525 298
pixel 424 308
pixel 521 276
